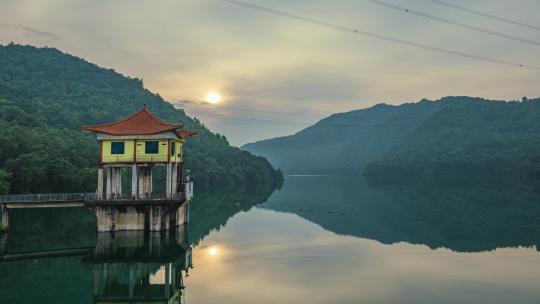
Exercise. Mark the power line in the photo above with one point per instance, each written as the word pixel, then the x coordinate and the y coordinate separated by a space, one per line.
pixel 486 15
pixel 378 36
pixel 452 22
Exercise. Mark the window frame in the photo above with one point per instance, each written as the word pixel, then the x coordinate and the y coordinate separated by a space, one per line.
pixel 173 148
pixel 147 145
pixel 117 146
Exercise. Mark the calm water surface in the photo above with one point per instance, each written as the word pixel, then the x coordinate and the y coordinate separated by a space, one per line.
pixel 317 240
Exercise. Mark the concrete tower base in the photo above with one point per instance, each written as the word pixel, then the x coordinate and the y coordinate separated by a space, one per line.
pixel 149 217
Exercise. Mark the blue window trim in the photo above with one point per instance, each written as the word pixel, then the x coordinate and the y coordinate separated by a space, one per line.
pixel 151 147
pixel 173 148
pixel 118 147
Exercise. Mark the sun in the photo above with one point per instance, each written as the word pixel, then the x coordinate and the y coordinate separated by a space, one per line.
pixel 213 98
pixel 213 251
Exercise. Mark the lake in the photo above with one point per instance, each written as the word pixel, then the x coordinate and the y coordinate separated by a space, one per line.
pixel 319 239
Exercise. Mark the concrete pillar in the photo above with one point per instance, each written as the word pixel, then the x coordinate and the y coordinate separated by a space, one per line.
pixel 181 234
pixel 155 218
pixel 134 180
pixel 166 221
pixel 99 191
pixel 108 191
pixel 174 179
pixel 181 215
pixel 5 218
pixel 150 186
pixel 167 280
pixel 129 218
pixel 106 218
pixel 140 175
pixel 113 182
pixel 119 180
pixel 145 181
pixel 168 181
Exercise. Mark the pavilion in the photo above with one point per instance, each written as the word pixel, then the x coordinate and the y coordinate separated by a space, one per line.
pixel 140 141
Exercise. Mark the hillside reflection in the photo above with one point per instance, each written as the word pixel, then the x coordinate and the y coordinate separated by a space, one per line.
pixel 124 267
pixel 328 232
pixel 473 217
pixel 59 254
pixel 211 210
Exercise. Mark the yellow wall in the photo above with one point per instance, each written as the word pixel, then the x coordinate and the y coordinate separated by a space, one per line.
pixel 159 157
pixel 142 157
pixel 177 157
pixel 107 157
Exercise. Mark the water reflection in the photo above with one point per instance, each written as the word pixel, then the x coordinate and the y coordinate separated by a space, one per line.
pixel 474 217
pixel 275 257
pixel 318 240
pixel 140 267
pixel 124 267
pixel 58 253
pixel 210 211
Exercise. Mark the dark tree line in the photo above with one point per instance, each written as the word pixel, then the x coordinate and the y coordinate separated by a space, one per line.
pixel 470 138
pixel 46 96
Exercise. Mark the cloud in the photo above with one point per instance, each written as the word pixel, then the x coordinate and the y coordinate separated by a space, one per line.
pixel 299 84
pixel 184 49
pixel 182 102
pixel 29 30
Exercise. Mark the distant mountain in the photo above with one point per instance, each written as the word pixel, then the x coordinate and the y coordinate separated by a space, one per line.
pixel 47 95
pixel 450 135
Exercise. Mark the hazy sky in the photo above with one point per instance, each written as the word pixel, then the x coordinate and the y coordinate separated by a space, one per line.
pixel 277 75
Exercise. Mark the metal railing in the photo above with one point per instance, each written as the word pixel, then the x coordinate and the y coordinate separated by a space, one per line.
pixel 94 197
pixel 43 197
pixel 187 193
pixel 89 197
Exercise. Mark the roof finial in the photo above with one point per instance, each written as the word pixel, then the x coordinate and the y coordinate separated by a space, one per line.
pixel 145 107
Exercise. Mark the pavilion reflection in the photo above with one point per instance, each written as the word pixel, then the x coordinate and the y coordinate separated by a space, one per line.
pixel 138 267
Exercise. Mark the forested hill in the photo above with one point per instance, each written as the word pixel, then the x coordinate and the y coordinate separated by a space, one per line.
pixel 450 135
pixel 47 95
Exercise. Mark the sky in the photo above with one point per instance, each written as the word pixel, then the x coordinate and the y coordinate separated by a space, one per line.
pixel 277 75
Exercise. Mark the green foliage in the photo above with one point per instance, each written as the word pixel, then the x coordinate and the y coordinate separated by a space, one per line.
pixel 470 138
pixel 46 96
pixel 344 142
pixel 4 181
pixel 454 137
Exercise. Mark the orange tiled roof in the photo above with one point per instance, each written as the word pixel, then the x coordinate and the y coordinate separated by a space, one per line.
pixel 140 123
pixel 187 133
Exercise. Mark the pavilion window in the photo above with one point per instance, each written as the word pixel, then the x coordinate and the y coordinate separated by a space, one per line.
pixel 151 147
pixel 173 148
pixel 117 147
